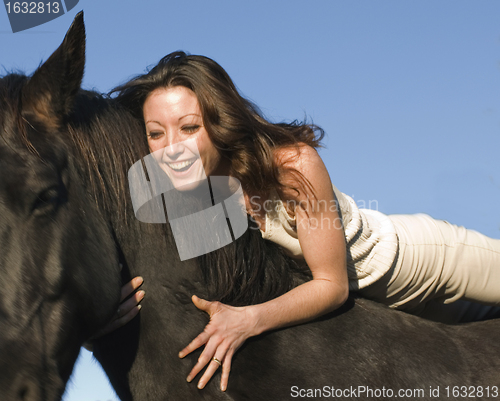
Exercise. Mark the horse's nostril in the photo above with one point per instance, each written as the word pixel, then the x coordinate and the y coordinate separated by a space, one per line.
pixel 28 391
pixel 22 393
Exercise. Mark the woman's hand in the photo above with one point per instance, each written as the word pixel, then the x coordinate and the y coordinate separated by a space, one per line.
pixel 227 330
pixel 127 310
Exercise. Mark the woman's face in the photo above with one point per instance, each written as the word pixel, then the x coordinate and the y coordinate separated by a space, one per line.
pixel 177 137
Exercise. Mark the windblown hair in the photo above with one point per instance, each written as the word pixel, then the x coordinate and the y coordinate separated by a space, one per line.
pixel 235 125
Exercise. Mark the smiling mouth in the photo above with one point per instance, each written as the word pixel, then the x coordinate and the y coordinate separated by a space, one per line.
pixel 181 166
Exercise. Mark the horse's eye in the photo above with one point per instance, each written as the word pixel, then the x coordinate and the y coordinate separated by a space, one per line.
pixel 47 200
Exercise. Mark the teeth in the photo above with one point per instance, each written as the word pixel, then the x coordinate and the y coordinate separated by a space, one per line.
pixel 180 165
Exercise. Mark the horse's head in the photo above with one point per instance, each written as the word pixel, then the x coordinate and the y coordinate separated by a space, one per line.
pixel 57 254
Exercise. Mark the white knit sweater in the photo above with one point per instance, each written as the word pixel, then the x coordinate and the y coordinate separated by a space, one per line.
pixel 371 239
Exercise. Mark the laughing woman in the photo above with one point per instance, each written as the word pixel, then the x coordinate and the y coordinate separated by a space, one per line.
pixel 196 120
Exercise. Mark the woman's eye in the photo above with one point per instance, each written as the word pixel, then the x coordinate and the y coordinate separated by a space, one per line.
pixel 155 134
pixel 190 129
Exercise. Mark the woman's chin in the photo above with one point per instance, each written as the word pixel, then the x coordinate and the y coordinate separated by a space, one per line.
pixel 187 183
pixel 186 186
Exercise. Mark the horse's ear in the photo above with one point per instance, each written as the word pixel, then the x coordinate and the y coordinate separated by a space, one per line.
pixel 50 92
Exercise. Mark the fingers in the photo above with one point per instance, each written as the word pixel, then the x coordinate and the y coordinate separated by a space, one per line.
pixel 222 337
pixel 130 287
pixel 130 303
pixel 213 365
pixel 120 321
pixel 226 368
pixel 209 372
pixel 202 304
pixel 205 357
pixel 195 344
pixel 213 356
pixel 204 336
pixel 125 313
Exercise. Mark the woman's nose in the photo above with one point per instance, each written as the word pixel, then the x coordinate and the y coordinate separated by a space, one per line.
pixel 174 149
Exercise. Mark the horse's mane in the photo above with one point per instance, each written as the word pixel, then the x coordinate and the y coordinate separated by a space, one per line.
pixel 108 140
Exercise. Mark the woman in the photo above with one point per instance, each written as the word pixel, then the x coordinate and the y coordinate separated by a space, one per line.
pixel 197 123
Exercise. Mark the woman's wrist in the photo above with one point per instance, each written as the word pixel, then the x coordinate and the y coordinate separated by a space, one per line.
pixel 256 320
pixel 264 317
pixel 275 314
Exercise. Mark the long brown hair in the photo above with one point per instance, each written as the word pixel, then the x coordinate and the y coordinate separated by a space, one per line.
pixel 235 125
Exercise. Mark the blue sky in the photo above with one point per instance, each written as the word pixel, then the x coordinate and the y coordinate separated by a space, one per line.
pixel 408 92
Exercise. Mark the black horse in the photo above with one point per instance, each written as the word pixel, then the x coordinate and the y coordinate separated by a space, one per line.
pixel 66 223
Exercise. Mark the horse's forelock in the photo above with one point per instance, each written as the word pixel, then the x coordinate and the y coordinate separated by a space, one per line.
pixel 13 128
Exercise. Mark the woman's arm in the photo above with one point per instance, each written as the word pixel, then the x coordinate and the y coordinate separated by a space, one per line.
pixel 322 240
pixel 321 237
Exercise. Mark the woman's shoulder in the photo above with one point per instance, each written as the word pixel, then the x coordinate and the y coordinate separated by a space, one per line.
pixel 296 155
pixel 303 159
pixel 300 158
pixel 304 176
